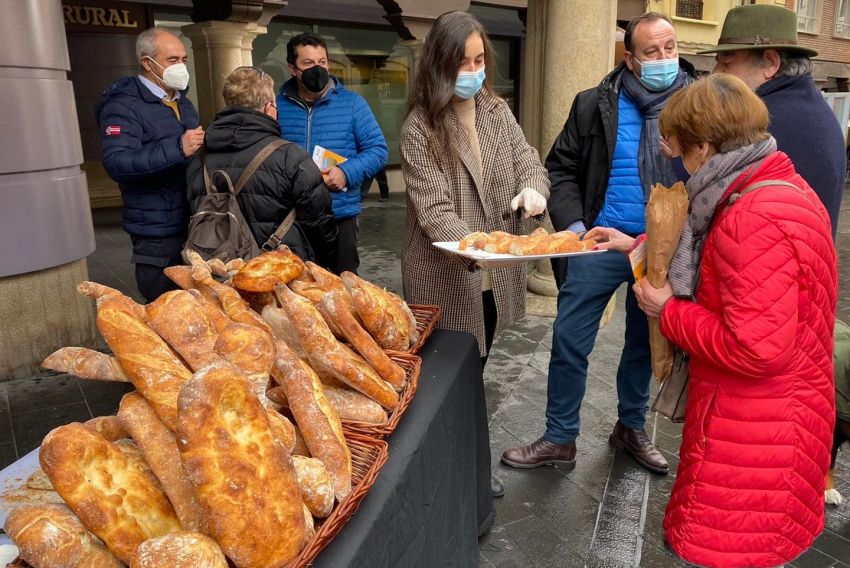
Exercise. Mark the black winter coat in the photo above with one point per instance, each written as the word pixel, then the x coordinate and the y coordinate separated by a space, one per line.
pixel 805 128
pixel 579 162
pixel 140 139
pixel 287 179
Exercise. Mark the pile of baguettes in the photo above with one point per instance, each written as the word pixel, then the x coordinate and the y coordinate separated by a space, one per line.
pixel 200 464
pixel 538 242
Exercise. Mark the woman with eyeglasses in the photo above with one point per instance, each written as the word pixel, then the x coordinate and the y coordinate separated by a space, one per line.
pixel 288 179
pixel 467 168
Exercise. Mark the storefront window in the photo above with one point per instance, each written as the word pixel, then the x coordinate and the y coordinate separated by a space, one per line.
pixel 370 62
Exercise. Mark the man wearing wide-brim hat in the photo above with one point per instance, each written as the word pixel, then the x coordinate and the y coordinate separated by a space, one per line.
pixel 759 45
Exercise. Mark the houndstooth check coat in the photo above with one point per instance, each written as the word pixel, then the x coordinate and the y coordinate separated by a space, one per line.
pixel 448 203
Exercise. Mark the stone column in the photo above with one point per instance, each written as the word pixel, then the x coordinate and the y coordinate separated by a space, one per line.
pixel 558 65
pixel 45 221
pixel 219 47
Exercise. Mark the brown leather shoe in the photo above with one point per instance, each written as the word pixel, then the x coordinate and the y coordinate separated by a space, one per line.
pixel 637 443
pixel 541 452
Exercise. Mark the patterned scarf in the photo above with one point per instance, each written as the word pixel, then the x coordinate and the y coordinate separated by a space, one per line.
pixel 705 189
pixel 653 167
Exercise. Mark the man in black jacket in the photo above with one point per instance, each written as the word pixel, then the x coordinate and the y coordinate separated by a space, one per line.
pixel 804 126
pixel 601 168
pixel 288 179
pixel 149 131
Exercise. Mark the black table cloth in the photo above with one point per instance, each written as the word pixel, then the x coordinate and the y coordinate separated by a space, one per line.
pixel 432 498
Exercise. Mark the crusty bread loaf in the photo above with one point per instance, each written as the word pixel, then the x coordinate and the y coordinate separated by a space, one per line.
pixel 469 240
pixel 97 291
pixel 327 355
pixel 51 536
pixel 380 313
pixel 316 418
pixel 39 481
pixel 112 499
pixel 86 364
pixel 282 329
pixel 282 430
pixel 315 485
pixel 262 273
pixel 350 405
pixel 181 275
pixel 109 427
pixel 218 267
pixel 212 307
pixel 336 309
pixel 160 450
pixel 258 300
pixel 231 302
pixel 252 351
pixel 179 550
pixel 136 460
pixel 243 479
pixel 156 372
pixel 181 320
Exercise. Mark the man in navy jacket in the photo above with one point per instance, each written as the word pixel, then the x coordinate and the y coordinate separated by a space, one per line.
pixel 315 110
pixel 149 130
pixel 758 44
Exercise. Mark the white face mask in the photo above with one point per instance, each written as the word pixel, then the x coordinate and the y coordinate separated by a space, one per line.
pixel 174 76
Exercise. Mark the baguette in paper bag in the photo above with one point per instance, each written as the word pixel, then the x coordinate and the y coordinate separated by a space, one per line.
pixel 666 214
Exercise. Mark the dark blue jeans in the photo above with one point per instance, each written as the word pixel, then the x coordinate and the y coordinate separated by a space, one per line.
pixel 591 281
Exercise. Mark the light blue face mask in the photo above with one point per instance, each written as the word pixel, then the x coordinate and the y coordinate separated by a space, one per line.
pixel 468 83
pixel 658 75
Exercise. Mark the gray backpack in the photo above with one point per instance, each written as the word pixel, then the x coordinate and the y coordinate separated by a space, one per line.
pixel 218 228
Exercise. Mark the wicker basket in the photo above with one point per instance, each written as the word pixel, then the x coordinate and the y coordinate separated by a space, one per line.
pixel 368 455
pixel 426 320
pixel 411 365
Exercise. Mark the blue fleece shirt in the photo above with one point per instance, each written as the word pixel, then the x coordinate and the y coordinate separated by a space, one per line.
pixel 624 208
pixel 342 122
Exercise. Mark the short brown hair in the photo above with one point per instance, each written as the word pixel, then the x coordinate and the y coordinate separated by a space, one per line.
pixel 720 109
pixel 248 87
pixel 649 17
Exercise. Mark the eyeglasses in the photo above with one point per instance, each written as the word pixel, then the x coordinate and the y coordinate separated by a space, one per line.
pixel 257 69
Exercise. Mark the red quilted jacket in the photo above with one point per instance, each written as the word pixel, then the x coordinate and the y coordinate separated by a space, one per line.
pixel 761 403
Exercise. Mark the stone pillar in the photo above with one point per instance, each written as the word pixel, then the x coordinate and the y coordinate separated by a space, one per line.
pixel 45 221
pixel 558 65
pixel 219 47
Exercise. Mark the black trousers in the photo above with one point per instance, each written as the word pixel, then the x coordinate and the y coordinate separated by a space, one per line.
pixel 491 315
pixel 383 186
pixel 151 255
pixel 347 258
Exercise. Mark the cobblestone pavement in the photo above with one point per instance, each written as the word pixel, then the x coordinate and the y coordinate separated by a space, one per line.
pixel 607 512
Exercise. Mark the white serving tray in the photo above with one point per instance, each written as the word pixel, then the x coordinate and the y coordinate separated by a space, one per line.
pixel 495 259
pixel 14 491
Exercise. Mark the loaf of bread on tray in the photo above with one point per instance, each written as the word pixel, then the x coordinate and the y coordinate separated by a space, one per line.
pixel 387 318
pixel 179 550
pixel 86 364
pixel 243 479
pixel 51 536
pixel 159 447
pixel 315 485
pixel 262 273
pixel 318 421
pixel 118 503
pixel 181 320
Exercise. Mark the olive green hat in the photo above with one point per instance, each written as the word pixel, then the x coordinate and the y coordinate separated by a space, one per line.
pixel 760 26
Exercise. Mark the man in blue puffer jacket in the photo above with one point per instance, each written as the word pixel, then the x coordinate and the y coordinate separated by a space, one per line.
pixel 149 130
pixel 314 109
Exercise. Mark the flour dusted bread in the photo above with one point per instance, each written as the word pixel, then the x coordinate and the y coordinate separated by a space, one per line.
pixel 381 314
pixel 109 427
pixel 86 364
pixel 334 307
pixel 159 447
pixel 317 419
pixel 155 370
pixel 112 499
pixel 315 485
pixel 243 479
pixel 181 320
pixel 262 273
pixel 51 536
pixel 350 405
pixel 179 550
pixel 251 350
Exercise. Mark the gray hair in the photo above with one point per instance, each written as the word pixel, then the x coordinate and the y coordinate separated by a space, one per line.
pixel 790 64
pixel 146 42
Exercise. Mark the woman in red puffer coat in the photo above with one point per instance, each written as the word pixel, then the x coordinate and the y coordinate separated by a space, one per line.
pixel 753 294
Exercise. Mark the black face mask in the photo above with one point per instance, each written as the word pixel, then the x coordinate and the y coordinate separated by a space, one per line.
pixel 315 79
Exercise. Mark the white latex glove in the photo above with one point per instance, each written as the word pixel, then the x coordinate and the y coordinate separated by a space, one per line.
pixel 532 203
